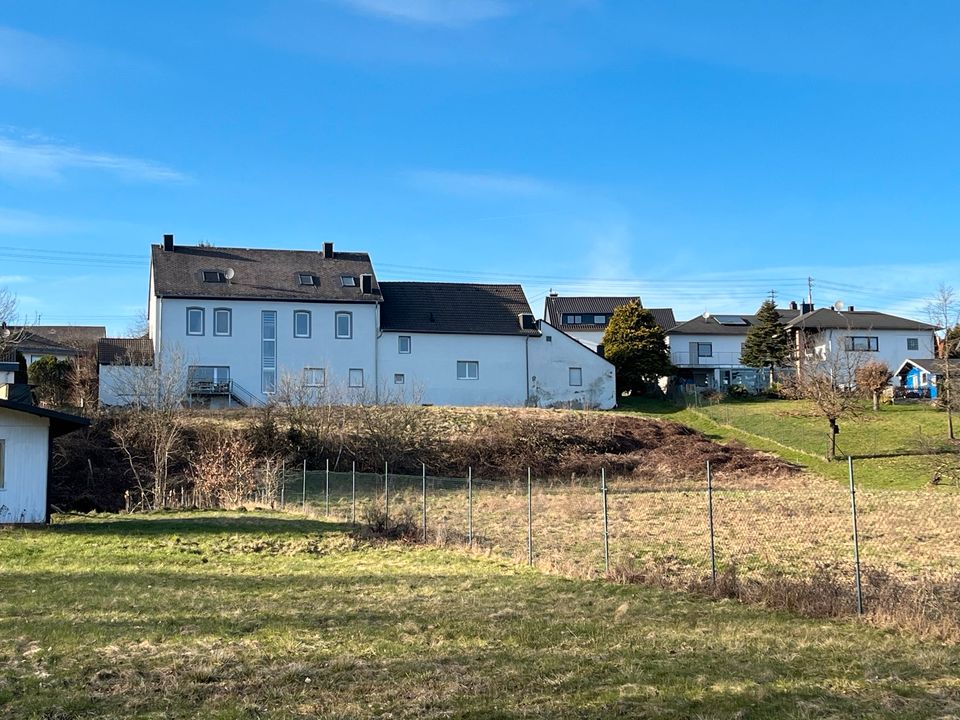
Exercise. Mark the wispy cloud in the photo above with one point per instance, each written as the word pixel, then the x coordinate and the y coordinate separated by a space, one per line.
pixel 14 279
pixel 480 184
pixel 451 13
pixel 32 158
pixel 27 60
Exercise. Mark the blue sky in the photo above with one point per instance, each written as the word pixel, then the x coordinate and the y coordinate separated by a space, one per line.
pixel 699 154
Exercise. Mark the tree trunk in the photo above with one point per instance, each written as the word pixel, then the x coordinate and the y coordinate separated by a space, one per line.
pixel 876 400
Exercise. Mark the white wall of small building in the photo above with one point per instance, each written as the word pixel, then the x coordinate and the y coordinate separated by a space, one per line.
pixel 587 338
pixel 552 356
pixel 241 350
pixel 23 498
pixel 430 369
pixel 123 384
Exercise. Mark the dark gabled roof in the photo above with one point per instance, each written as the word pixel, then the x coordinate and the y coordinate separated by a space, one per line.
pixel 260 274
pixel 81 337
pixel 125 351
pixel 709 325
pixel 829 319
pixel 29 342
pixel 930 365
pixel 558 306
pixel 467 308
pixel 60 423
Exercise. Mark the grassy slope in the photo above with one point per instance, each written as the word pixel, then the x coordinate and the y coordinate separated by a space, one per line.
pixel 253 616
pixel 884 444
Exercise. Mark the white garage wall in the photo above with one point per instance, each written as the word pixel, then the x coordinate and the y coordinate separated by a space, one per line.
pixel 23 498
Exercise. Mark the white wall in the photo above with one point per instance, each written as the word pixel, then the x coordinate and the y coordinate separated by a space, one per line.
pixel 552 355
pixel 590 339
pixel 23 498
pixel 430 369
pixel 122 384
pixel 891 345
pixel 726 350
pixel 241 351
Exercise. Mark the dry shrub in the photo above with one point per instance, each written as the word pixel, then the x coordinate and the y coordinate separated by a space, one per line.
pixel 399 525
pixel 224 470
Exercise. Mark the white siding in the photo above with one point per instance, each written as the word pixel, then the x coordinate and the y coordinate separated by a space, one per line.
pixel 23 498
pixel 552 355
pixel 591 339
pixel 430 369
pixel 891 345
pixel 241 350
pixel 122 384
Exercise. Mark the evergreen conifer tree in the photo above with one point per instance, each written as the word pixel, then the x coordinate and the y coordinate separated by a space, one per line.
pixel 768 343
pixel 637 347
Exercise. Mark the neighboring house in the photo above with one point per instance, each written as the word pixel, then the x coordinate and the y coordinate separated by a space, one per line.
pixel 240 321
pixel 470 344
pixel 122 364
pixel 924 376
pixel 873 336
pixel 706 351
pixel 586 318
pixel 64 342
pixel 26 448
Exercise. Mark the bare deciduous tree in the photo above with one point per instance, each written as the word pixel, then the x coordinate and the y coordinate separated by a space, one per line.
pixel 11 329
pixel 943 309
pixel 825 376
pixel 149 431
pixel 872 377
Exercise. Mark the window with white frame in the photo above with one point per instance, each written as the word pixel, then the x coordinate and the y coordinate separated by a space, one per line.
pixel 704 350
pixel 301 323
pixel 404 344
pixel 3 459
pixel 222 322
pixel 862 344
pixel 913 343
pixel 344 325
pixel 268 351
pixel 314 377
pixel 576 377
pixel 399 378
pixel 468 370
pixel 356 378
pixel 599 319
pixel 195 323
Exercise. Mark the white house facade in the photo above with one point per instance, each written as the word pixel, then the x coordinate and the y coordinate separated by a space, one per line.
pixel 867 336
pixel 243 323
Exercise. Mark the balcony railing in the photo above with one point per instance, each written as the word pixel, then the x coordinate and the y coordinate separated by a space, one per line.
pixel 681 358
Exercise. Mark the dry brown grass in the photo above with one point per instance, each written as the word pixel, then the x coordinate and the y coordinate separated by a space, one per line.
pixel 787 545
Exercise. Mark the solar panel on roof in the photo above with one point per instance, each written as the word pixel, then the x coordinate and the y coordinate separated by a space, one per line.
pixel 730 320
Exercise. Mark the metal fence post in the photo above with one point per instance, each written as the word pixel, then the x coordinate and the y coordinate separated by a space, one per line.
pixel 304 486
pixel 283 485
pixel 386 496
pixel 470 507
pixel 424 502
pixel 856 536
pixel 606 520
pixel 529 517
pixel 353 493
pixel 326 492
pixel 713 549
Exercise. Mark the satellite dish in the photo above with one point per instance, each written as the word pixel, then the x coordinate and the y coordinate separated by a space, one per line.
pixel 230 274
pixel 706 315
pixel 838 305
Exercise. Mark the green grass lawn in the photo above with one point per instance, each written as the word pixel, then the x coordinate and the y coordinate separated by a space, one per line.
pixel 891 448
pixel 220 615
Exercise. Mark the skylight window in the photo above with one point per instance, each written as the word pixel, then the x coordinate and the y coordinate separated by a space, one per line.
pixel 307 279
pixel 214 276
pixel 348 281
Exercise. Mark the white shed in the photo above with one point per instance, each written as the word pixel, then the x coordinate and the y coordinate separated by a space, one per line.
pixel 26 441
